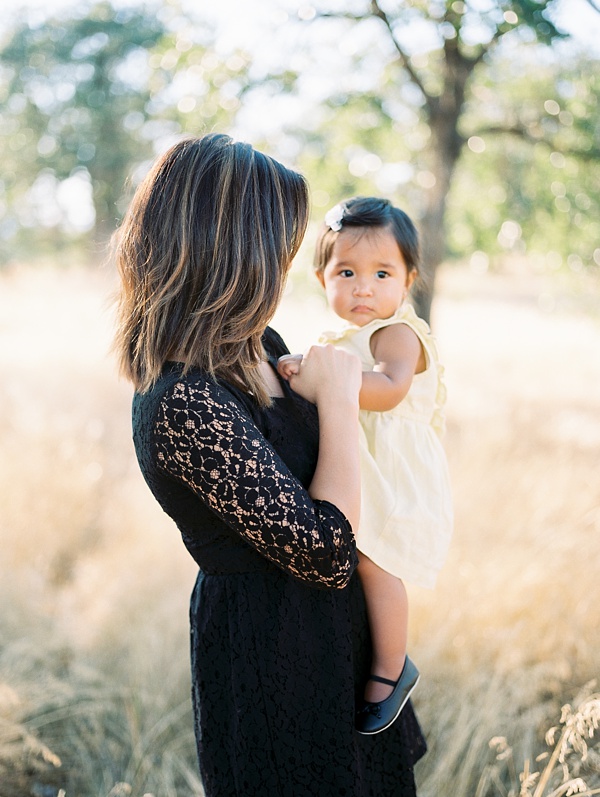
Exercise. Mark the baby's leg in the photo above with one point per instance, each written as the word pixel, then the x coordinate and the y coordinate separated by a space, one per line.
pixel 387 609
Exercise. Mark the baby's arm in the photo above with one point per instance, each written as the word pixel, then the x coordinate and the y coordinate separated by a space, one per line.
pixel 398 355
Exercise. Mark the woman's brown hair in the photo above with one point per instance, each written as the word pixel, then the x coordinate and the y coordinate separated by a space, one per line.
pixel 203 254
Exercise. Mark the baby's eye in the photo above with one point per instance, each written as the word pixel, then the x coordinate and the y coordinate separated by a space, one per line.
pixel 346 272
pixel 382 274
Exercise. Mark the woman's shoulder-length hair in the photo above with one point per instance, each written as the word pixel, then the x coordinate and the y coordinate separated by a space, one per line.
pixel 203 253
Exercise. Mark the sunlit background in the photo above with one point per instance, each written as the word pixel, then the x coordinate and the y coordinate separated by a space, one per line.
pixel 481 119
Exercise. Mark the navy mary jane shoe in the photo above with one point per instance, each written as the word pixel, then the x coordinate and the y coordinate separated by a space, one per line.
pixel 376 717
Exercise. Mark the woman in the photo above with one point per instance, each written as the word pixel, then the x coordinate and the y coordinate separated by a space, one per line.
pixel 262 480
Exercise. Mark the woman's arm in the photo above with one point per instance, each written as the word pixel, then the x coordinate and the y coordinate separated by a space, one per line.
pixel 399 356
pixel 204 439
pixel 331 379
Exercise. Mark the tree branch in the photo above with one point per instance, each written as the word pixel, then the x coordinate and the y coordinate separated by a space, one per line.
pixel 520 131
pixel 485 48
pixel 377 11
pixel 341 15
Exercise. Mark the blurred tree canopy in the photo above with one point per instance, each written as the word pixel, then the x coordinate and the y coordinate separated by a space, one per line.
pixel 461 112
pixel 86 100
pixel 75 91
pixel 534 189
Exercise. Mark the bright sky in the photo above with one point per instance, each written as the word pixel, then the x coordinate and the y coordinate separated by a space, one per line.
pixel 243 21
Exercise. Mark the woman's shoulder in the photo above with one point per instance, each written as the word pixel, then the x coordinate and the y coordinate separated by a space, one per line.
pixel 178 387
pixel 174 373
pixel 187 401
pixel 196 389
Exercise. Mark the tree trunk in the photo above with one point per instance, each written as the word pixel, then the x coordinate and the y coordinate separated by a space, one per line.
pixel 446 145
pixel 433 226
pixel 432 223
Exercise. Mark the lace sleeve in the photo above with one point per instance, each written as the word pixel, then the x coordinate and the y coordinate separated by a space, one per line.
pixel 205 440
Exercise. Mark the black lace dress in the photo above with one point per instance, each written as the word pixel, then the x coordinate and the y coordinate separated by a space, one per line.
pixel 279 635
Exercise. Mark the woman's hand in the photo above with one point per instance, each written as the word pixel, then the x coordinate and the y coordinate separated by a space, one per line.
pixel 325 375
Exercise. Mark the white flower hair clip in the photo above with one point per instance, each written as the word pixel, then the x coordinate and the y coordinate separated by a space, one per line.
pixel 333 218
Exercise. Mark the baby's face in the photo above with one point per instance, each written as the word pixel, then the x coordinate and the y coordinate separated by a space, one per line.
pixel 366 276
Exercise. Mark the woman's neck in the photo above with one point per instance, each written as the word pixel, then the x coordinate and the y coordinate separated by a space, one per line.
pixel 272 383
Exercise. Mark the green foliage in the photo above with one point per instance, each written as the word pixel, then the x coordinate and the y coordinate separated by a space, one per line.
pixel 75 89
pixel 193 88
pixel 544 175
pixel 88 100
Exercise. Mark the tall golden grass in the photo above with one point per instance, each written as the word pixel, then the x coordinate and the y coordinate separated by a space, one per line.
pixel 94 581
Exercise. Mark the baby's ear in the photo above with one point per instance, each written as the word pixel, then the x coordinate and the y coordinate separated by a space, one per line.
pixel 320 278
pixel 410 278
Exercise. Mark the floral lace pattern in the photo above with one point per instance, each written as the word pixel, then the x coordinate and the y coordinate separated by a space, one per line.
pixel 204 439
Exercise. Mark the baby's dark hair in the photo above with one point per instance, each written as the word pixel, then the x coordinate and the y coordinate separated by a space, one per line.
pixel 368 211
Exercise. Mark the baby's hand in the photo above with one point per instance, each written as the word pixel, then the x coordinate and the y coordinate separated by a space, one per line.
pixel 289 365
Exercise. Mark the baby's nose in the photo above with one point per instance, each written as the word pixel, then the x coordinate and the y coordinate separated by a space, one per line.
pixel 363 288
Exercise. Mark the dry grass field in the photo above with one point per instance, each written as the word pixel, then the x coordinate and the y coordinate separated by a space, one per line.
pixel 94 581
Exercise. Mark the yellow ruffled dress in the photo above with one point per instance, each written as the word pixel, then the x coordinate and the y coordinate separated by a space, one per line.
pixel 406 517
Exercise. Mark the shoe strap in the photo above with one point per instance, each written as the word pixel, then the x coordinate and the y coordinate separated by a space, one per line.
pixel 381 680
